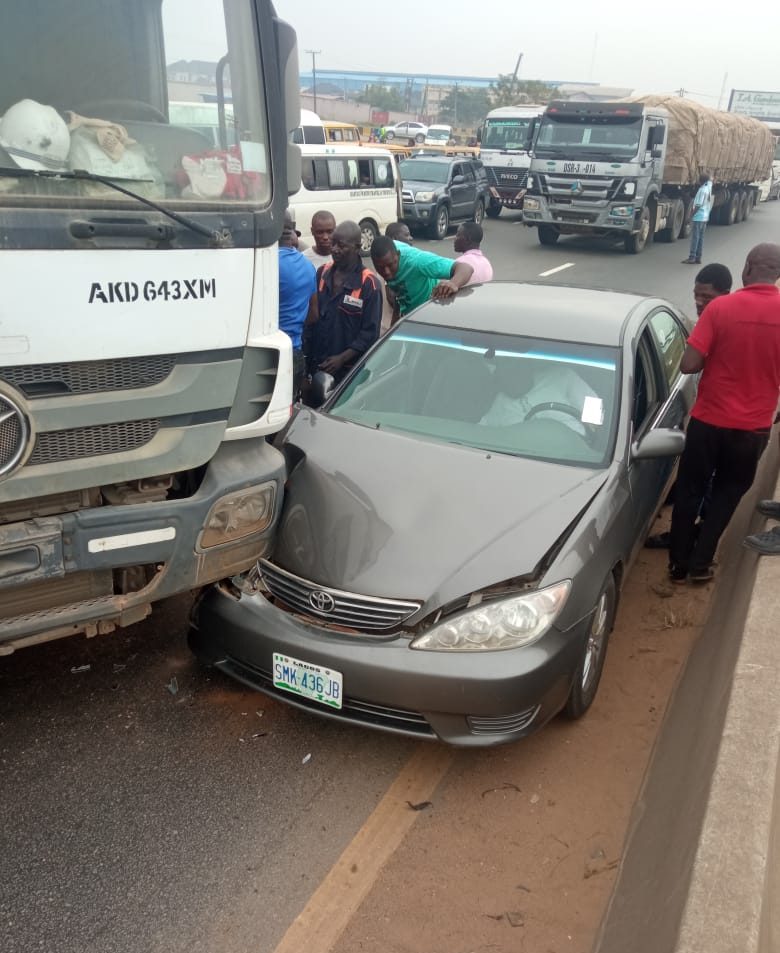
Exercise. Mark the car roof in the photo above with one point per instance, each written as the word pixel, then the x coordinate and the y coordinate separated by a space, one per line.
pixel 437 157
pixel 558 312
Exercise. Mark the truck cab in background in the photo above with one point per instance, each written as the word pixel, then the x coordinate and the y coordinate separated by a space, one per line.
pixel 141 365
pixel 505 149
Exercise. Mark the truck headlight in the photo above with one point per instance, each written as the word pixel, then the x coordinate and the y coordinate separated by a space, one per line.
pixel 531 204
pixel 629 188
pixel 529 183
pixel 503 624
pixel 239 514
pixel 622 211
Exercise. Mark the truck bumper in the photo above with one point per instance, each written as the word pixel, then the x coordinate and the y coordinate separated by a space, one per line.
pixel 580 218
pixel 102 567
pixel 509 198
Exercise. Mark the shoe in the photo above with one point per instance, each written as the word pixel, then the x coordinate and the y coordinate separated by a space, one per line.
pixel 688 261
pixel 677 574
pixel 702 575
pixel 659 541
pixel 765 544
pixel 769 508
pixel 697 261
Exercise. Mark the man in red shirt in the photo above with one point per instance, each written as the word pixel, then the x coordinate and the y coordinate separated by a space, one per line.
pixel 736 346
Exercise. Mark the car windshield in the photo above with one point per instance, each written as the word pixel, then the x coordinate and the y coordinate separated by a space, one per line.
pixel 439 134
pixel 523 396
pixel 507 133
pixel 418 170
pixel 589 136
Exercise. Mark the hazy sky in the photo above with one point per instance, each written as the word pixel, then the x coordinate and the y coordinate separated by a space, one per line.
pixel 656 47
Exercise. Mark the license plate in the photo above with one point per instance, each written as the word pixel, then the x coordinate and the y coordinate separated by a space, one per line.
pixel 323 685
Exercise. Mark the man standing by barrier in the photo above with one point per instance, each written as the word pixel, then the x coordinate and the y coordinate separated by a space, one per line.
pixel 702 204
pixel 736 346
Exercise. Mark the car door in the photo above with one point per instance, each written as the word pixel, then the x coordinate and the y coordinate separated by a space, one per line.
pixel 471 190
pixel 459 197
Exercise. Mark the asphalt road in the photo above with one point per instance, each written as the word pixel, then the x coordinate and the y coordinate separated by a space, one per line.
pixel 147 805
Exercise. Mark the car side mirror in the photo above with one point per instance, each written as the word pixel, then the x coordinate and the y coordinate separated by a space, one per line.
pixel 663 442
pixel 458 179
pixel 322 386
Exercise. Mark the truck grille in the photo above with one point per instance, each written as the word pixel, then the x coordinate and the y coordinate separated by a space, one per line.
pixel 89 377
pixel 506 178
pixel 591 188
pixel 333 606
pixel 59 446
pixel 12 435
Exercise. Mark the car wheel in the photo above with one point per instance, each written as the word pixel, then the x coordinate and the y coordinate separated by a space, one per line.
pixel 419 138
pixel 479 211
pixel 441 223
pixel 594 651
pixel 494 208
pixel 389 135
pixel 368 232
pixel 547 234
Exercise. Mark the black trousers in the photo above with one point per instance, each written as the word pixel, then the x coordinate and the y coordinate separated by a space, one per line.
pixel 732 456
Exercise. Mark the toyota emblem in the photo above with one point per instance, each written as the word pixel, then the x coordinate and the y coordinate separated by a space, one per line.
pixel 322 601
pixel 14 434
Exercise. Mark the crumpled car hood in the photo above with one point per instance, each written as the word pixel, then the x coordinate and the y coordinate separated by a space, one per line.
pixel 389 515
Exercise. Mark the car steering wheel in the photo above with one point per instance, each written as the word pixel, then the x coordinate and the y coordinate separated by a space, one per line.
pixel 554 405
pixel 118 110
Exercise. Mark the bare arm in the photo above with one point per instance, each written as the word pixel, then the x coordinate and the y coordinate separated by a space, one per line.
pixel 692 361
pixel 461 272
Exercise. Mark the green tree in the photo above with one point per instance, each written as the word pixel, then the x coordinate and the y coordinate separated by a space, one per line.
pixel 464 106
pixel 381 97
pixel 507 91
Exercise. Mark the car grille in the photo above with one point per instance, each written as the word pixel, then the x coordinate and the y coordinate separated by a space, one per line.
pixel 407 195
pixel 89 377
pixel 59 446
pixel 502 724
pixel 347 609
pixel 353 709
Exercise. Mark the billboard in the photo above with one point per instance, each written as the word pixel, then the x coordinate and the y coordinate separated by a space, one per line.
pixel 755 103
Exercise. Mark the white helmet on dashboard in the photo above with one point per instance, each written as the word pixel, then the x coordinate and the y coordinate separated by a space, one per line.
pixel 35 136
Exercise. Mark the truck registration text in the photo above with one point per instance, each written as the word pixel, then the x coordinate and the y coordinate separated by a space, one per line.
pixel 125 292
pixel 579 167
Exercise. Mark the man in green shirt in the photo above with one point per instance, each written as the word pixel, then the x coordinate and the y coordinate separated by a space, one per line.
pixel 415 276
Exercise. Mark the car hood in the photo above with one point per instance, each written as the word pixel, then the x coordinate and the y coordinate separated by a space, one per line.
pixel 390 515
pixel 416 185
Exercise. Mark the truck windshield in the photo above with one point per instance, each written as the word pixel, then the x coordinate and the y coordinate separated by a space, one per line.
pixel 418 170
pixel 508 133
pixel 167 94
pixel 618 138
pixel 439 133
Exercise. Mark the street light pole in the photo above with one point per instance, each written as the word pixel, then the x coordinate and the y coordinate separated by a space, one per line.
pixel 314 54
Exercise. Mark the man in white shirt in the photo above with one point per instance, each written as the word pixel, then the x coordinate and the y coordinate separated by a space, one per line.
pixel 323 224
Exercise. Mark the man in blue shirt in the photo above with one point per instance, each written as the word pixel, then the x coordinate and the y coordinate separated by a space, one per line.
pixel 297 286
pixel 702 204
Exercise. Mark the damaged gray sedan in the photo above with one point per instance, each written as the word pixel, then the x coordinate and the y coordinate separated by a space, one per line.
pixel 460 516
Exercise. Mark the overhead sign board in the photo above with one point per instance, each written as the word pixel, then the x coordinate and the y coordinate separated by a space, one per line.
pixel 755 103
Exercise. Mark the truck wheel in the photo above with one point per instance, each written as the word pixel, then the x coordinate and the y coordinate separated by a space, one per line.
pixel 547 234
pixel 743 206
pixel 634 244
pixel 494 209
pixel 368 232
pixel 676 218
pixel 441 223
pixel 729 210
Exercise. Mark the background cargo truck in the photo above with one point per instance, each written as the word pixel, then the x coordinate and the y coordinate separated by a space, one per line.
pixel 631 169
pixel 505 150
pixel 141 365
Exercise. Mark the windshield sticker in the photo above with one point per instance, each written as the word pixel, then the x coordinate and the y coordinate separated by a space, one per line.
pixel 125 292
pixel 593 411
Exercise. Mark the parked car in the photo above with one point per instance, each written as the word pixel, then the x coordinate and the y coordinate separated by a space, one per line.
pixel 407 130
pixel 438 135
pixel 460 516
pixel 438 190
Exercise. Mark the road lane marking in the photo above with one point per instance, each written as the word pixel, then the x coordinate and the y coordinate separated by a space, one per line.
pixel 552 271
pixel 319 925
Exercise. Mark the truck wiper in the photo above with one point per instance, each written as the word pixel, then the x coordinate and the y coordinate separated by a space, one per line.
pixel 218 238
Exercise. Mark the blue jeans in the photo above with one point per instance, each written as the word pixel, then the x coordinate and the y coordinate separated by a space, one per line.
pixel 697 240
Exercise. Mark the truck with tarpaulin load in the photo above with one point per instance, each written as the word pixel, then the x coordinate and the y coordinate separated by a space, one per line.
pixel 630 169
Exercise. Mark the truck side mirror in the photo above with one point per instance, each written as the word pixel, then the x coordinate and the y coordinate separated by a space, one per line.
pixel 287 51
pixel 657 152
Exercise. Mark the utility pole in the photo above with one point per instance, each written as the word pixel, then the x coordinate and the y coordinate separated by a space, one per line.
pixel 681 92
pixel 314 54
pixel 517 70
pixel 723 90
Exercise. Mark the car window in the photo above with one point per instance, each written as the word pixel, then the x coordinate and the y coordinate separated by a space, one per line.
pixel 469 173
pixel 353 175
pixel 522 396
pixel 456 170
pixel 421 170
pixel 647 396
pixel 670 342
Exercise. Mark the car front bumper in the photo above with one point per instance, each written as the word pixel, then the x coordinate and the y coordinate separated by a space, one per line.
pixel 461 698
pixel 418 214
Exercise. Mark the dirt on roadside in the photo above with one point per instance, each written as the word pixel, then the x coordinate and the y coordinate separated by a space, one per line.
pixel 519 851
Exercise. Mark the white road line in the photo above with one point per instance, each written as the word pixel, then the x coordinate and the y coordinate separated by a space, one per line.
pixel 552 271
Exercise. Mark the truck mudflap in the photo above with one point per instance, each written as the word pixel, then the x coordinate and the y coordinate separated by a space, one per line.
pixel 99 568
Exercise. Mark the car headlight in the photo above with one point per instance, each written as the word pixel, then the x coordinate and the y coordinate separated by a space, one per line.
pixel 503 624
pixel 531 204
pixel 239 514
pixel 424 196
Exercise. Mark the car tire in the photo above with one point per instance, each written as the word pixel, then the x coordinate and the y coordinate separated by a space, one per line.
pixel 368 232
pixel 494 209
pixel 419 138
pixel 594 651
pixel 440 223
pixel 479 211
pixel 389 135
pixel 547 235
